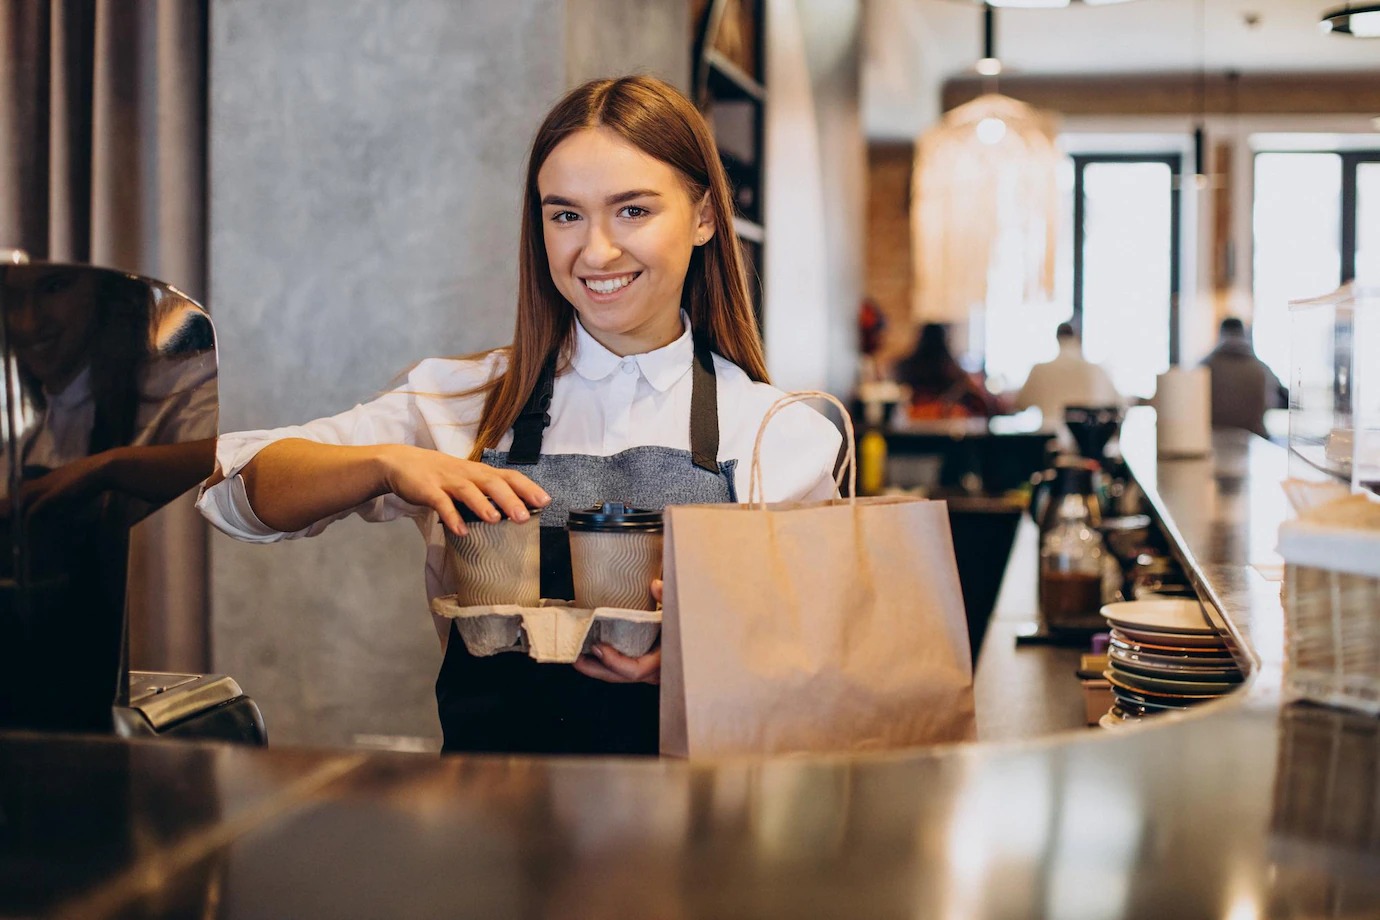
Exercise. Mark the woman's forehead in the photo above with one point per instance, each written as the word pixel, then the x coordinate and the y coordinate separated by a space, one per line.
pixel 594 163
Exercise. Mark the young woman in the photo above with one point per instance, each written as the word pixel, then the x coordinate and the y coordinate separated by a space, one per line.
pixel 635 374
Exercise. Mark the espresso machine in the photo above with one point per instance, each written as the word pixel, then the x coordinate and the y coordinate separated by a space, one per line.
pixel 1096 484
pixel 108 411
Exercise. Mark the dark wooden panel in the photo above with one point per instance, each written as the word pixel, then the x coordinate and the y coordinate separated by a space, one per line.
pixel 1184 93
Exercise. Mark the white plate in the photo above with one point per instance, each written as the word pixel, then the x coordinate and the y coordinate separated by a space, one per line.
pixel 1163 615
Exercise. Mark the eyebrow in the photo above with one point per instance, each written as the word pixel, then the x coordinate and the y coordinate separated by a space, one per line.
pixel 619 198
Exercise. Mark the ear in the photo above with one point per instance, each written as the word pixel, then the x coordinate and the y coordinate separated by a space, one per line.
pixel 705 224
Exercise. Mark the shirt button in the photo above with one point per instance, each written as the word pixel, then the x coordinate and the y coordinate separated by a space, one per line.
pixel 630 366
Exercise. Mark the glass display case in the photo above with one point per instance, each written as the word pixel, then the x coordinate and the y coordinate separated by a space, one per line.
pixel 1334 387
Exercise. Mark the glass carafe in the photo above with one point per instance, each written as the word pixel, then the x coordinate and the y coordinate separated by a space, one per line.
pixel 1074 563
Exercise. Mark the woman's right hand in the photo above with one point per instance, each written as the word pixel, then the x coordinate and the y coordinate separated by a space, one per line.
pixel 431 479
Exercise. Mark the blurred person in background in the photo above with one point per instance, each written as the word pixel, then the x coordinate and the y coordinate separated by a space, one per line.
pixel 1068 380
pixel 939 386
pixel 1243 386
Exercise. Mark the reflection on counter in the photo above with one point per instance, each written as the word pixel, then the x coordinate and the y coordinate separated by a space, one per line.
pixel 1326 814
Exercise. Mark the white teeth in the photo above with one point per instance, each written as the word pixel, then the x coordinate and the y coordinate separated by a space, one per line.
pixel 609 285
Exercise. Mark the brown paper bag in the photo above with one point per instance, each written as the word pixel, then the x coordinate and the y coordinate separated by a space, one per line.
pixel 812 626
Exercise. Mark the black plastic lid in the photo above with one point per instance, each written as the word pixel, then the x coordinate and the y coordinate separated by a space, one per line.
pixel 615 516
pixel 468 515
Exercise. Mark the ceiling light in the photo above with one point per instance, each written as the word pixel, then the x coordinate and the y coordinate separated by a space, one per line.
pixel 991 130
pixel 988 66
pixel 1359 21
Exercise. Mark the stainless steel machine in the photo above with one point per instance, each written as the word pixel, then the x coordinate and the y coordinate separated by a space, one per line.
pixel 108 411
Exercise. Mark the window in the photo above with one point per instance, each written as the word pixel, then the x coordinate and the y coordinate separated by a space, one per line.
pixel 1117 277
pixel 1316 224
pixel 1126 265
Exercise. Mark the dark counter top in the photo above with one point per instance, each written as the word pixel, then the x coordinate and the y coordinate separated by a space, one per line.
pixel 1241 809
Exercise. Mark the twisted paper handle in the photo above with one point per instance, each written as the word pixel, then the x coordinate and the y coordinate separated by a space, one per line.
pixel 850 463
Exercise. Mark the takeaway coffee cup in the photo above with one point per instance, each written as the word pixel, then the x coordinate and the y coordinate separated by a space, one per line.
pixel 497 562
pixel 615 552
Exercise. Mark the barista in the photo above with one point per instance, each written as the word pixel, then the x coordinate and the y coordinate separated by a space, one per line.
pixel 636 371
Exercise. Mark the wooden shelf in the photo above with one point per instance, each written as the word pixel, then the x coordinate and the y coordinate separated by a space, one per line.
pixel 728 79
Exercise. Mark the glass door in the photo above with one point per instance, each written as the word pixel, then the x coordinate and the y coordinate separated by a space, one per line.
pixel 1126 265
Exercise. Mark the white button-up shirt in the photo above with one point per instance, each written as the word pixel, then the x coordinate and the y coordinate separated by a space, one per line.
pixel 605 405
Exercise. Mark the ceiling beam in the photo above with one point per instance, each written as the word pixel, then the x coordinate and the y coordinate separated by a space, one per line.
pixel 1327 93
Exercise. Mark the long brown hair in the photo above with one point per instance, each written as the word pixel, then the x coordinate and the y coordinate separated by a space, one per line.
pixel 655 118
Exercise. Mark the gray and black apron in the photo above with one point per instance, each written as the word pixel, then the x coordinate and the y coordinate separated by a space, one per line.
pixel 510 703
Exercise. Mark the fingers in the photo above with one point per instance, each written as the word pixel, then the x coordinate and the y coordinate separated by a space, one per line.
pixel 486 487
pixel 589 666
pixel 657 585
pixel 437 481
pixel 608 664
pixel 476 499
pixel 496 487
pixel 534 495
pixel 35 496
pixel 449 514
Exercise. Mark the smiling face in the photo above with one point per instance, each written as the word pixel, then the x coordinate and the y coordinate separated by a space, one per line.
pixel 50 323
pixel 619 228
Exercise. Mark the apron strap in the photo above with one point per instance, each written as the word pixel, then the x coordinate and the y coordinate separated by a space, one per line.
pixel 532 421
pixel 704 414
pixel 704 410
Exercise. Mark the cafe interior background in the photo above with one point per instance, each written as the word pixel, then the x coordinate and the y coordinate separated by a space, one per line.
pixel 339 183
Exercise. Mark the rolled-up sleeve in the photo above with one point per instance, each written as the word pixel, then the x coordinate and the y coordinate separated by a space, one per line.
pixel 438 395
pixel 390 419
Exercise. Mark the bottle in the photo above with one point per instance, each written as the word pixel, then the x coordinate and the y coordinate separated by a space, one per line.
pixel 872 452
pixel 1074 565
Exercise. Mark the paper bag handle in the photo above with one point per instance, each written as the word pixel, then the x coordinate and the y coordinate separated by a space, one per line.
pixel 756 494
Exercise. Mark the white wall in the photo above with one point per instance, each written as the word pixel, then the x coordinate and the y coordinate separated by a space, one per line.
pixel 815 193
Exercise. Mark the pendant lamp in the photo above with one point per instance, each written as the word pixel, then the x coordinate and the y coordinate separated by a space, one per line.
pixel 984 193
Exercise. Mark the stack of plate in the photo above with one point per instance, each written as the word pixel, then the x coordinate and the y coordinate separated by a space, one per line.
pixel 1164 655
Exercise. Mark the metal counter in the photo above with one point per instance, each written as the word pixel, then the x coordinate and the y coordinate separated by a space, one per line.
pixel 1241 809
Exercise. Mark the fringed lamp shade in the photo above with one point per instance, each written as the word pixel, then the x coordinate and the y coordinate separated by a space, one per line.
pixel 985 194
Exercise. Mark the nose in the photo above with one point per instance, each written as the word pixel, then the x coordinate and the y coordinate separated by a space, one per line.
pixel 601 249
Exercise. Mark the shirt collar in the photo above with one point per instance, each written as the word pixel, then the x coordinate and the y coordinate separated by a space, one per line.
pixel 662 367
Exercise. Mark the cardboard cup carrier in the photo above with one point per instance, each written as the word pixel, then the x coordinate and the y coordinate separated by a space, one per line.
pixel 615 553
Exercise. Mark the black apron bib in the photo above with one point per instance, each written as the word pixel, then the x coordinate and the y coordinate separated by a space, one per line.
pixel 511 704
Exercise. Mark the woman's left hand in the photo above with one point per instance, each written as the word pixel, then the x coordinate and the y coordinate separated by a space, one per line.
pixel 607 663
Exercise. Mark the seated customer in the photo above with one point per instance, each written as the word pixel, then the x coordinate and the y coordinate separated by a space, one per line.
pixel 940 388
pixel 1068 380
pixel 1243 386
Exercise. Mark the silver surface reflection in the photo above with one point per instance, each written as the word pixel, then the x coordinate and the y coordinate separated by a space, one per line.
pixel 108 411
